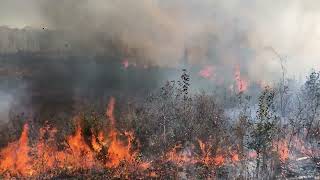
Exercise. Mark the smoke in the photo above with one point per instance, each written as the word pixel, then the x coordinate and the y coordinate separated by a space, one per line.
pixel 5 103
pixel 214 32
pixel 224 33
pixel 140 26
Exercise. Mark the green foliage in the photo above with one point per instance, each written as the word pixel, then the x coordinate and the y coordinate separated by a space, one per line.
pixel 312 86
pixel 312 89
pixel 311 92
pixel 263 130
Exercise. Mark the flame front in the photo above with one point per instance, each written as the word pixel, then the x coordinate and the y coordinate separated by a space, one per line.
pixel 15 157
pixel 111 150
pixel 118 151
pixel 20 159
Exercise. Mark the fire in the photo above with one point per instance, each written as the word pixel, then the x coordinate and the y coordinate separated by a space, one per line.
pixel 46 150
pixel 15 157
pixel 235 157
pixel 75 155
pixel 218 160
pixel 23 160
pixel 242 84
pixel 80 154
pixel 97 147
pixel 282 148
pixel 207 72
pixel 145 165
pixel 180 156
pixel 118 151
pixel 297 149
pixel 109 150
pixel 205 152
pixel 207 158
pixel 303 148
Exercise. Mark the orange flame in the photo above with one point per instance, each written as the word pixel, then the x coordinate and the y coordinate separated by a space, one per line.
pixel 177 156
pixel 46 151
pixel 207 158
pixel 205 150
pixel 282 148
pixel 15 158
pixel 118 151
pixel 235 157
pixel 97 147
pixel 19 159
pixel 219 160
pixel 81 154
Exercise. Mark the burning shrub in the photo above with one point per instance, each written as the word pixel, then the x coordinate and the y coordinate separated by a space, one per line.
pixel 78 153
pixel 170 135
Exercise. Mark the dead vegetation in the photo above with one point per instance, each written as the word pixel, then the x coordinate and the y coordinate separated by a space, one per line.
pixel 174 134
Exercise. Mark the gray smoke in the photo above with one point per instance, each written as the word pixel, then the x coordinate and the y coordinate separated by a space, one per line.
pixel 6 101
pixel 219 32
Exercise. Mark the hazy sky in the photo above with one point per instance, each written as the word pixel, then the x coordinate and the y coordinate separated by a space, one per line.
pixel 19 13
pixel 292 27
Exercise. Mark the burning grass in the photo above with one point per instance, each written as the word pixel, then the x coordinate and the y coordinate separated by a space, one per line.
pixel 116 154
pixel 105 151
pixel 104 154
pixel 170 135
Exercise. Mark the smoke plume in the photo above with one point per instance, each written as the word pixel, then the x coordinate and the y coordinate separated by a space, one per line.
pixel 226 33
pixel 212 32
